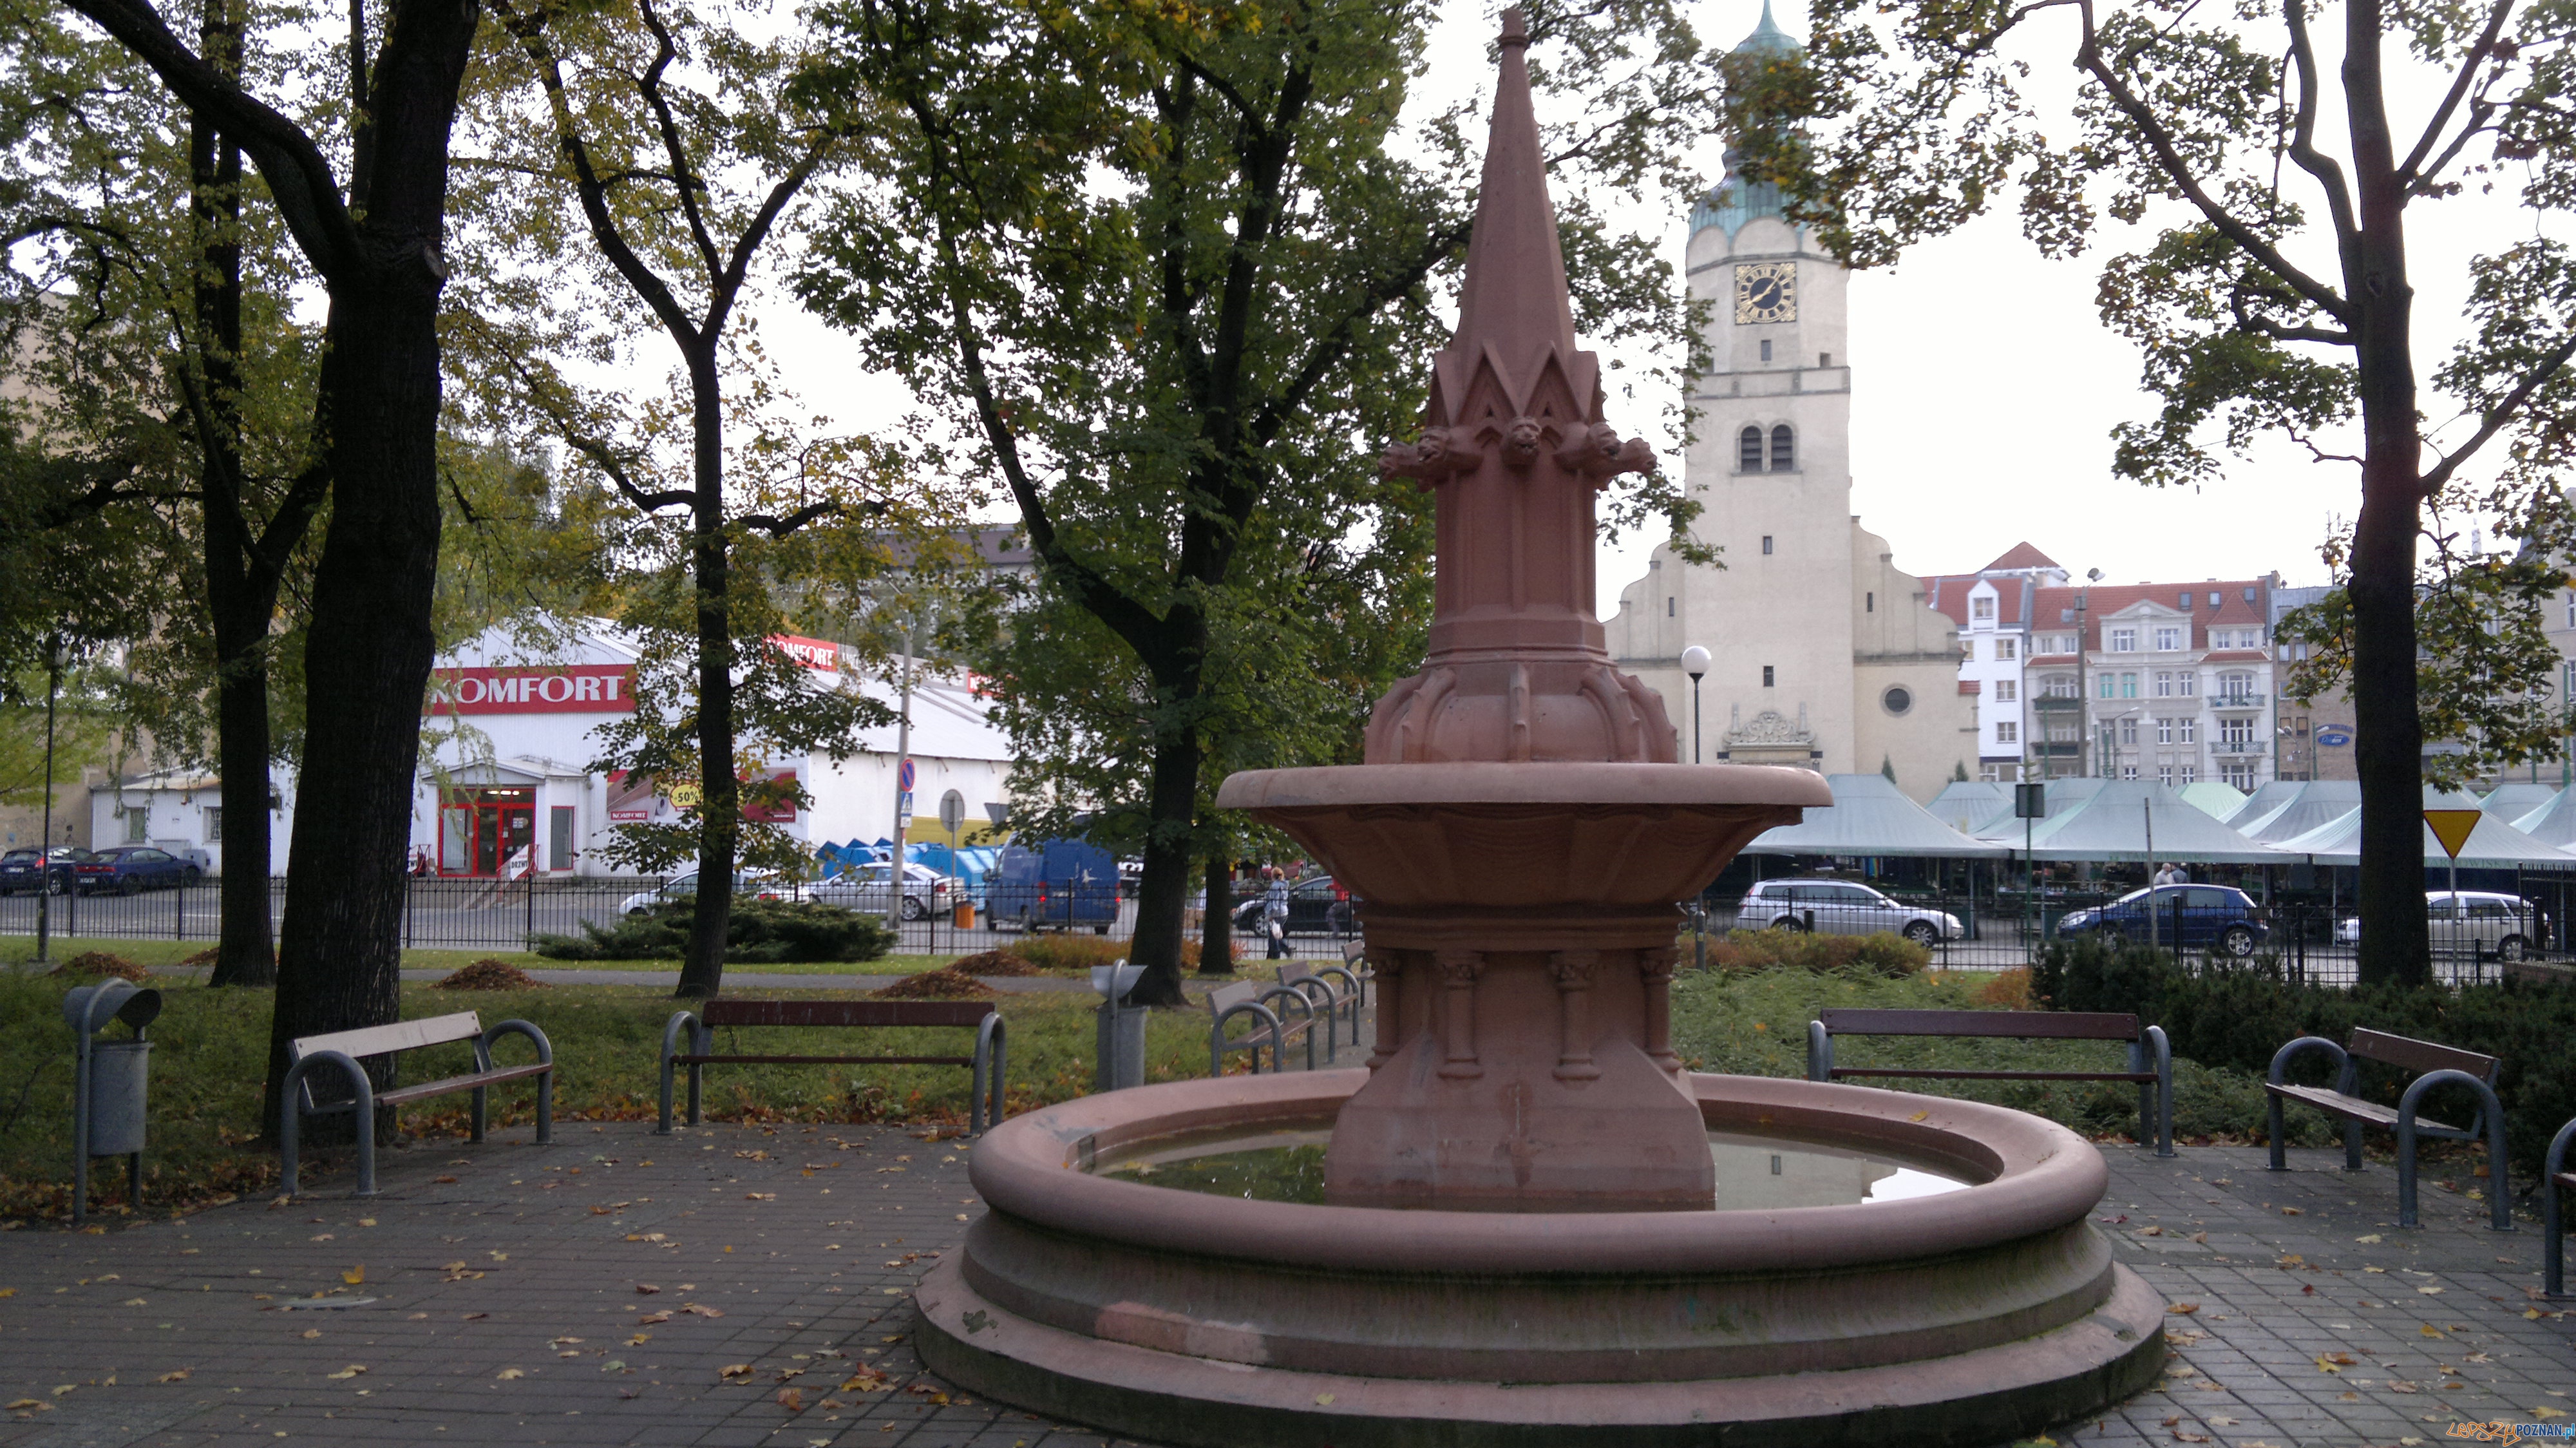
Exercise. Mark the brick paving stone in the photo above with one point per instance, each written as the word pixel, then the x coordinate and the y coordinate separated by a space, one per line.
pixel 500 1304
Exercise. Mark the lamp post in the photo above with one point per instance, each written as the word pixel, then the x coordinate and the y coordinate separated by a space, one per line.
pixel 1695 663
pixel 45 837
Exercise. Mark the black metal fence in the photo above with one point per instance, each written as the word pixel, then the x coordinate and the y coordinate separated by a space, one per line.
pixel 487 914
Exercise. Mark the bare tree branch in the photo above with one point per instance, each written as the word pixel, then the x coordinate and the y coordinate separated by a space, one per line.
pixel 2407 174
pixel 2498 417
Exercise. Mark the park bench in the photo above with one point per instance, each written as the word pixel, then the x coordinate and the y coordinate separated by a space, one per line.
pixel 1252 998
pixel 2437 1065
pixel 2554 1177
pixel 1337 1002
pixel 984 1068
pixel 2150 1057
pixel 345 1049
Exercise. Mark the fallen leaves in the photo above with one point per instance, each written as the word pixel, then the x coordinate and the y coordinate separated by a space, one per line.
pixel 2430 1291
pixel 865 1379
pixel 2182 1309
pixel 2333 1362
pixel 653 1319
pixel 445 1181
pixel 2372 1240
pixel 355 1275
pixel 792 1399
pixel 344 1374
pixel 702 1310
pixel 737 1372
pixel 1917 1116
pixel 2292 1212
pixel 312 1332
pixel 760 1196
pixel 507 1374
pixel 23 1404
pixel 179 1375
pixel 645 1289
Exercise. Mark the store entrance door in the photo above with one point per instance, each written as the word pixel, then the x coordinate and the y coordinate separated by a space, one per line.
pixel 482 831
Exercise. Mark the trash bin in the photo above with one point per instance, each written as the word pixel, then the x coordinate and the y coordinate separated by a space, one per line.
pixel 111 1082
pixel 1119 1030
pixel 965 917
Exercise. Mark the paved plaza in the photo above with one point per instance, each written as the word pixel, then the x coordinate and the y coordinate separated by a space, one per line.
pixel 742 1285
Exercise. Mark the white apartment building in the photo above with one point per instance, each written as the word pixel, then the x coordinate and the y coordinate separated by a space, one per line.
pixel 1993 610
pixel 2172 682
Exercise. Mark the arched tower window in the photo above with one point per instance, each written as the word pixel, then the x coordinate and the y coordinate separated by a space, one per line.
pixel 1748 450
pixel 1784 449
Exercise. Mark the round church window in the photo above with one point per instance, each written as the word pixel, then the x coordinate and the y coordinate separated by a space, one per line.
pixel 1897 700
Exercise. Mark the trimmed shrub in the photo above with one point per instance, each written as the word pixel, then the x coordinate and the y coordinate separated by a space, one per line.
pixel 2238 1015
pixel 1884 954
pixel 757 932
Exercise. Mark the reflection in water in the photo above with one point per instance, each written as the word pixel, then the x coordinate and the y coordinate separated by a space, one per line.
pixel 1754 1173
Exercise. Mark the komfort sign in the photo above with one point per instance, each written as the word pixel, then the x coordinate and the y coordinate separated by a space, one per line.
pixel 540 689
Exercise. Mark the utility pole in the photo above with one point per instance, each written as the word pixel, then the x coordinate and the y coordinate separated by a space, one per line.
pixel 2083 695
pixel 902 776
pixel 45 836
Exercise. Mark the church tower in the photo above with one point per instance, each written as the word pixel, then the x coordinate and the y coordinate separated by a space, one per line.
pixel 1822 653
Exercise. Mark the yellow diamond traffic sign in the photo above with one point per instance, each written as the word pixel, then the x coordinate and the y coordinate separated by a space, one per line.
pixel 2452 827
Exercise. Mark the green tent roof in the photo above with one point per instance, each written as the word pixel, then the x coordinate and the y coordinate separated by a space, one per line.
pixel 1871 817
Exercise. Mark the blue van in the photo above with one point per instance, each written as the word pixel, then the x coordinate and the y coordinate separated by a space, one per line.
pixel 1053 885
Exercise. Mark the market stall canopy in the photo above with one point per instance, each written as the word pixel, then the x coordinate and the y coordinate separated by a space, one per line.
pixel 2218 801
pixel 1968 803
pixel 2111 821
pixel 2516 798
pixel 2301 807
pixel 2267 797
pixel 2553 823
pixel 1872 817
pixel 2493 845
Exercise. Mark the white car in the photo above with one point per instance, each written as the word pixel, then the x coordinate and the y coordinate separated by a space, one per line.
pixel 747 884
pixel 2504 926
pixel 1838 907
pixel 863 887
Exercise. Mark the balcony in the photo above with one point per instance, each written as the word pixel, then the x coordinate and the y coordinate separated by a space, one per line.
pixel 2239 701
pixel 2237 748
pixel 2056 704
pixel 2056 748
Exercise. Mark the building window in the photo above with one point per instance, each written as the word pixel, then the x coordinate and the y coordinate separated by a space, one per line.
pixel 1766 545
pixel 1766 349
pixel 1982 610
pixel 2235 733
pixel 1784 450
pixel 2007 648
pixel 2058 686
pixel 2006 691
pixel 2164 731
pixel 1766 676
pixel 2186 683
pixel 1897 700
pixel 2108 687
pixel 1869 603
pixel 214 814
pixel 2168 640
pixel 2124 641
pixel 2240 776
pixel 1824 359
pixel 2236 691
pixel 2571 610
pixel 2129 731
pixel 1748 450
pixel 559 830
pixel 2129 772
pixel 2128 686
pixel 2164 775
pixel 2190 731
pixel 138 824
pixel 2190 773
pixel 2007 731
pixel 1669 605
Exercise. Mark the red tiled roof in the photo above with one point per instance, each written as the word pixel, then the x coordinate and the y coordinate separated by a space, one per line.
pixel 2020 555
pixel 1970 686
pixel 2055 606
pixel 2233 656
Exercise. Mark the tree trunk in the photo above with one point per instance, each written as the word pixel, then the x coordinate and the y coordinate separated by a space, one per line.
pixel 1171 802
pixel 1216 928
pixel 370 643
pixel 240 596
pixel 719 795
pixel 2389 744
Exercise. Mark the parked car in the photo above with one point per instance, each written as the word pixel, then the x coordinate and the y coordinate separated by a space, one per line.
pixel 2187 917
pixel 862 887
pixel 2470 922
pixel 133 869
pixel 1838 907
pixel 747 884
pixel 1316 906
pixel 1057 883
pixel 18 871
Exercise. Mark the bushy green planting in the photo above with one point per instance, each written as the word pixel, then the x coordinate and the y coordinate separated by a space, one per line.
pixel 211 1046
pixel 2237 1015
pixel 756 931
pixel 1884 954
pixel 1754 1022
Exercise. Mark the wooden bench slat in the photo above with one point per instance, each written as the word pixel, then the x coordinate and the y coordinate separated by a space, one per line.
pixel 2028 1025
pixel 721 1012
pixel 2326 1099
pixel 2419 1056
pixel 824 1060
pixel 399 1036
pixel 1226 997
pixel 1959 1075
pixel 425 1089
pixel 2565 1178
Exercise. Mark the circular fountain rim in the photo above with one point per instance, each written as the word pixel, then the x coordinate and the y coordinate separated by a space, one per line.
pixel 1591 783
pixel 2042 1176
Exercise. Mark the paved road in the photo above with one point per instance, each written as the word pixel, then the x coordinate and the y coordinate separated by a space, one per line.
pixel 503 1302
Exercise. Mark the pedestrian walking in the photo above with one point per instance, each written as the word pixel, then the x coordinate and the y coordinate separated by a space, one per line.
pixel 1274 911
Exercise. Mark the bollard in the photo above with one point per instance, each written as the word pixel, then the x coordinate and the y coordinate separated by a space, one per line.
pixel 110 1082
pixel 1119 1035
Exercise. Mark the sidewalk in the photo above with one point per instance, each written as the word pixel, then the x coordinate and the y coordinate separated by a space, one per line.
pixel 503 1301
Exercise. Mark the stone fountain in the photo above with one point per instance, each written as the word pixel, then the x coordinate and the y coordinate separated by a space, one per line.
pixel 1523 1236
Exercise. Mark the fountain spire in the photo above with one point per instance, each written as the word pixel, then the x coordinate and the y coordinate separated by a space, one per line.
pixel 1514 444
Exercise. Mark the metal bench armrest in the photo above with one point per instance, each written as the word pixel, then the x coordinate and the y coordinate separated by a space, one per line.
pixel 2279 1075
pixel 545 1079
pixel 2553 1254
pixel 1820 1052
pixel 1217 1042
pixel 2499 1210
pixel 671 1049
pixel 984 1078
pixel 290 1125
pixel 2153 1044
pixel 1299 999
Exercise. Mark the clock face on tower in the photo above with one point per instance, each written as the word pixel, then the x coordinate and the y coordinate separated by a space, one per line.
pixel 1766 292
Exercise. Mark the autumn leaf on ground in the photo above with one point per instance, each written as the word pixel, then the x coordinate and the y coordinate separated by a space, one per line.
pixel 2182 1437
pixel 2547 1413
pixel 2429 1330
pixel 792 1399
pixel 312 1332
pixel 355 1275
pixel 865 1379
pixel 2333 1362
pixel 645 1289
pixel 703 1311
pixel 445 1181
pixel 2183 1309
pixel 506 1374
pixel 653 1319
pixel 344 1374
pixel 25 1403
pixel 2371 1240
pixel 179 1376
pixel 738 1370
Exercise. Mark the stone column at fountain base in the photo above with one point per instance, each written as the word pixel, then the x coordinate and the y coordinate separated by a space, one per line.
pixel 1525 1070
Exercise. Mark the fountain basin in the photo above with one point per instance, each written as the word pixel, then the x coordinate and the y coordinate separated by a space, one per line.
pixel 1968 1317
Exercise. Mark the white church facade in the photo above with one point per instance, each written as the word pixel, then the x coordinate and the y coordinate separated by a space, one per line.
pixel 1824 654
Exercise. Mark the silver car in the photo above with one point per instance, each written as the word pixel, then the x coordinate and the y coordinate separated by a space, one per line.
pixel 1838 907
pixel 926 892
pixel 2470 922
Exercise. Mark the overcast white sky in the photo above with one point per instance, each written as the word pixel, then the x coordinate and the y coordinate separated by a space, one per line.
pixel 1984 385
